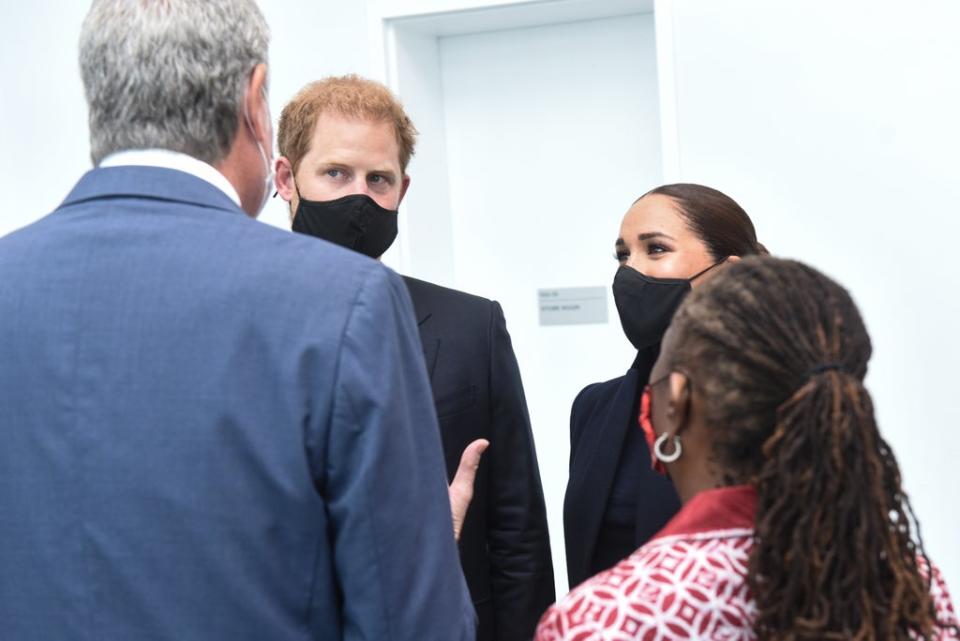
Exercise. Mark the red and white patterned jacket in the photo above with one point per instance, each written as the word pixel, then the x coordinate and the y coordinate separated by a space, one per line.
pixel 688 582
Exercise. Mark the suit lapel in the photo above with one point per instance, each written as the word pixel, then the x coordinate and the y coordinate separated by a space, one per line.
pixel 431 349
pixel 421 310
pixel 602 461
pixel 430 343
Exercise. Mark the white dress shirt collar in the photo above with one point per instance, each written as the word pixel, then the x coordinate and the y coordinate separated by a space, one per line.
pixel 172 160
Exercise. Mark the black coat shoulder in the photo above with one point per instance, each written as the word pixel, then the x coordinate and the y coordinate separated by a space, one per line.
pixel 431 298
pixel 594 398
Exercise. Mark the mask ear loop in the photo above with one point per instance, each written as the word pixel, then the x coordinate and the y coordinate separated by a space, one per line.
pixel 268 179
pixel 701 273
pixel 249 122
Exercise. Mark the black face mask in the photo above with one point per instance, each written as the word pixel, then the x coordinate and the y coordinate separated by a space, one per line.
pixel 646 305
pixel 356 222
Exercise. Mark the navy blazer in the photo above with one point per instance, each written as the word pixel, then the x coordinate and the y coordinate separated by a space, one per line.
pixel 504 544
pixel 213 429
pixel 601 415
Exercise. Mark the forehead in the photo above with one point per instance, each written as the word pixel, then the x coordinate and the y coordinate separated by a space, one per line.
pixel 654 213
pixel 353 141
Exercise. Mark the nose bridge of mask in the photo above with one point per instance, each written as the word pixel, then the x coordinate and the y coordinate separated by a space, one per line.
pixel 646 305
pixel 654 280
pixel 362 214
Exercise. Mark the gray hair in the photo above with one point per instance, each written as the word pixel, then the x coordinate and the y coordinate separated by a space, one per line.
pixel 169 74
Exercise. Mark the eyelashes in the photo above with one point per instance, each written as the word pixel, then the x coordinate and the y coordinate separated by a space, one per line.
pixel 652 250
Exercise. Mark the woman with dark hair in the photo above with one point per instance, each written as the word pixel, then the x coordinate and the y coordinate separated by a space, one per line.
pixel 671 239
pixel 795 525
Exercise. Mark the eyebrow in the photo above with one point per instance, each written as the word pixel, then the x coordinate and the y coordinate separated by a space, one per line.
pixel 647 236
pixel 655 234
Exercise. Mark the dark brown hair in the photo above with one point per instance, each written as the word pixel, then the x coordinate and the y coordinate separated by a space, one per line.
pixel 715 218
pixel 778 352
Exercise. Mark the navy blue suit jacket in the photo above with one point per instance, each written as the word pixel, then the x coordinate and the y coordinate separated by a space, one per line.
pixel 213 429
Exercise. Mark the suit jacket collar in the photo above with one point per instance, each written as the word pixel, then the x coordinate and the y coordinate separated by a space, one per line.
pixel 606 447
pixel 423 317
pixel 172 160
pixel 420 300
pixel 619 416
pixel 154 183
pixel 428 339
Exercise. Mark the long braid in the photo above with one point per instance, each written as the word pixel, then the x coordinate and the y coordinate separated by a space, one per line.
pixel 780 352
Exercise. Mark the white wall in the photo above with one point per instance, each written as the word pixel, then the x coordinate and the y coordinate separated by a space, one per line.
pixel 43 115
pixel 835 124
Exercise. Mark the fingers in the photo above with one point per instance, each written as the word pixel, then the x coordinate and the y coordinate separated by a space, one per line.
pixel 461 489
pixel 470 461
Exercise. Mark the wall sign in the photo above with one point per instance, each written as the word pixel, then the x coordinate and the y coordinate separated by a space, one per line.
pixel 572 305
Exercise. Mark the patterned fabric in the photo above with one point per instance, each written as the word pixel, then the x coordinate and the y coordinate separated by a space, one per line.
pixel 689 582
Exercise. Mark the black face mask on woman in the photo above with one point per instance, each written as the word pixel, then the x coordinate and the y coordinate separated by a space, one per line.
pixel 646 304
pixel 356 222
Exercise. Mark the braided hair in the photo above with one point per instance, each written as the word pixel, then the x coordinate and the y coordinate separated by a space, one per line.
pixel 778 352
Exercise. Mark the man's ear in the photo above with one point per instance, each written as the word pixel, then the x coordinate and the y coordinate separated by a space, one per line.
pixel 283 178
pixel 258 109
pixel 285 184
pixel 403 188
pixel 678 405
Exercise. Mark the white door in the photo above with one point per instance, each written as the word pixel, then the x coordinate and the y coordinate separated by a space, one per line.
pixel 551 133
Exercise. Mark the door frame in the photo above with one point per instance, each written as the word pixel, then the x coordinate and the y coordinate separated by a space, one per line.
pixel 404 55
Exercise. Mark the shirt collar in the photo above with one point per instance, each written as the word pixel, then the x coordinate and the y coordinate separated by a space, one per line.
pixel 172 160
pixel 724 508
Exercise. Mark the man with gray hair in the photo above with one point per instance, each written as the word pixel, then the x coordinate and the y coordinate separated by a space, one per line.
pixel 209 428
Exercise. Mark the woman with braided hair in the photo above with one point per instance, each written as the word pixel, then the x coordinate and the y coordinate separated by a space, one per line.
pixel 795 525
pixel 672 239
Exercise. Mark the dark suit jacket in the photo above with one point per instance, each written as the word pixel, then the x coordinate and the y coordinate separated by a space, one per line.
pixel 504 545
pixel 212 429
pixel 601 415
